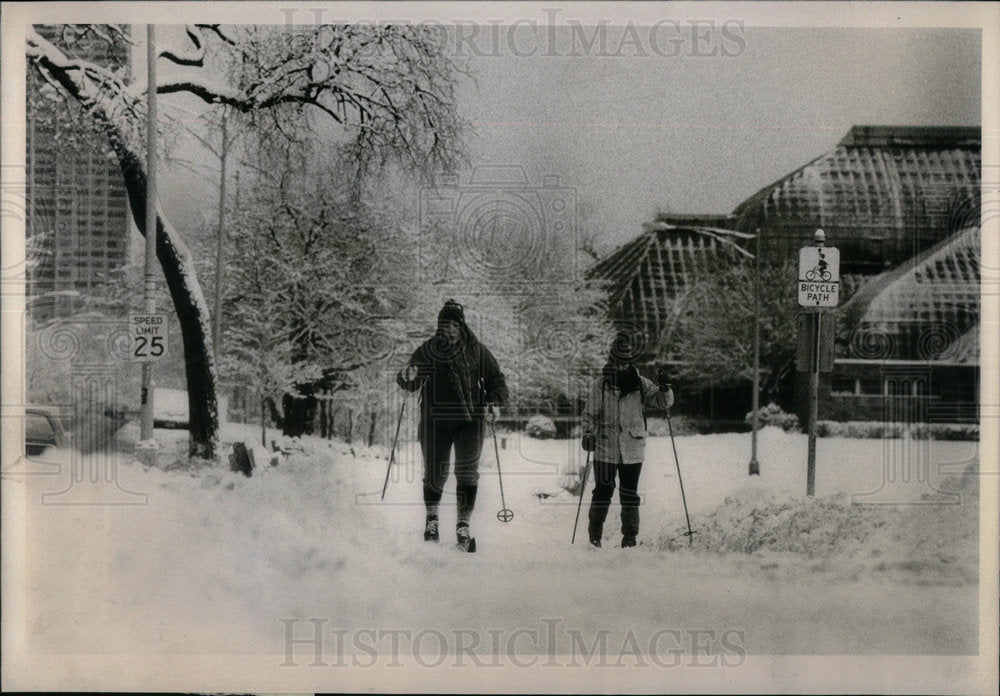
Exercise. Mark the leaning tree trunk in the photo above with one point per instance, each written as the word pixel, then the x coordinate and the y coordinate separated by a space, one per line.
pixel 192 312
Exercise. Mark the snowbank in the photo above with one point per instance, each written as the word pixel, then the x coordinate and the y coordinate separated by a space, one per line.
pixel 934 540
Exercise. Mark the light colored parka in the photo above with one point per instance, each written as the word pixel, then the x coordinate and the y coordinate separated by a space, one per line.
pixel 618 423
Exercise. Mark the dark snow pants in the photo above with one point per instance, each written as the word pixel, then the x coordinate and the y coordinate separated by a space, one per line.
pixel 437 437
pixel 604 488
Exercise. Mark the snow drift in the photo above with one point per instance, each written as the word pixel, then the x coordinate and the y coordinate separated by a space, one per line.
pixel 931 540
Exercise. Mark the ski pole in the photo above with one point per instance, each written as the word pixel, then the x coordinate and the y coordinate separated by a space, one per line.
pixel 579 505
pixel 392 455
pixel 504 515
pixel 679 479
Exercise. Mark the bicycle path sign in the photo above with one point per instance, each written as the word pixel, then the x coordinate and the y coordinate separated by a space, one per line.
pixel 819 276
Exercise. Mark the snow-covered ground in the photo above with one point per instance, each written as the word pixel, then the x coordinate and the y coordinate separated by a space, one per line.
pixel 217 563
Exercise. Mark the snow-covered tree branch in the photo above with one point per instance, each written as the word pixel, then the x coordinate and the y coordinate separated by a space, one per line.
pixel 713 333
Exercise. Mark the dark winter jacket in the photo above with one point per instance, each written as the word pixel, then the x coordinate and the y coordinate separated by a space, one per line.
pixel 455 381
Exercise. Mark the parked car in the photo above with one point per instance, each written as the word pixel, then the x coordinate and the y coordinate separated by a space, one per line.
pixel 42 430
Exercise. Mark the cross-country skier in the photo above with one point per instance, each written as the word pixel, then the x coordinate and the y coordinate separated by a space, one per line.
pixel 457 377
pixel 614 429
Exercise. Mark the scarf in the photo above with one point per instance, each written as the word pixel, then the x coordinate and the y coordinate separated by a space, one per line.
pixel 455 361
pixel 626 379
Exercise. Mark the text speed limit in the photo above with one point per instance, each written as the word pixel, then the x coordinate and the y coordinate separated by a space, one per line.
pixel 147 337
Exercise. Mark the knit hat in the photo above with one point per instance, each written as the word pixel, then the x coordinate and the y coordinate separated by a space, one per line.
pixel 452 311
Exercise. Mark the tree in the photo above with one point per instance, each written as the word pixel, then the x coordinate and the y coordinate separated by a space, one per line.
pixel 333 265
pixel 388 88
pixel 713 332
pixel 564 340
pixel 261 355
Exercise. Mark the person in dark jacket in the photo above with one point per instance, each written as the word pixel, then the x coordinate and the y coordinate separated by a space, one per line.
pixel 461 387
pixel 614 429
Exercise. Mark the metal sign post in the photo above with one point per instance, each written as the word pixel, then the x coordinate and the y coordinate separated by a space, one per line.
pixel 818 287
pixel 813 406
pixel 754 464
pixel 149 286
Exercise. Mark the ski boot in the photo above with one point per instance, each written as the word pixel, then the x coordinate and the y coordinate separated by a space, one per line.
pixel 595 532
pixel 465 542
pixel 431 529
pixel 630 525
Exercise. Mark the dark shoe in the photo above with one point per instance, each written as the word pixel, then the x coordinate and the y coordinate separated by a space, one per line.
pixel 628 541
pixel 431 530
pixel 595 540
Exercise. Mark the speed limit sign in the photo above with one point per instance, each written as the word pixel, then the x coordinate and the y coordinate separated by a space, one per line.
pixel 147 337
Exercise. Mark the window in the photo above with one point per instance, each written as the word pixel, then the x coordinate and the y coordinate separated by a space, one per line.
pixel 38 434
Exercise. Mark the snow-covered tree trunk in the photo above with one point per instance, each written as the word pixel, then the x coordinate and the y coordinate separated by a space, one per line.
pixel 192 312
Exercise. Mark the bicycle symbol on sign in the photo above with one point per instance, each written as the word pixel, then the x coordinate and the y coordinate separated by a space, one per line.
pixel 819 271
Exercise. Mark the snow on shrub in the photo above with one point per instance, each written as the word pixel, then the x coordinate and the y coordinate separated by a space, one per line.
pixel 541 427
pixel 773 415
pixel 879 429
pixel 681 425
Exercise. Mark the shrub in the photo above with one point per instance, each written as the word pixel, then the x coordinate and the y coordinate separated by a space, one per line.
pixel 682 425
pixel 773 415
pixel 955 431
pixel 879 429
pixel 541 427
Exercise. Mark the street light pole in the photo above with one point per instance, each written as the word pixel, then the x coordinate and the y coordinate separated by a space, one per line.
pixel 149 284
pixel 819 239
pixel 754 464
pixel 217 314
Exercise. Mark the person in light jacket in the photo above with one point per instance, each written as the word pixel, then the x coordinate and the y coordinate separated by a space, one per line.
pixel 614 429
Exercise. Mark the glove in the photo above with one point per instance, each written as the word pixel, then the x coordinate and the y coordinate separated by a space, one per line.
pixel 491 413
pixel 407 378
pixel 663 380
pixel 589 442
